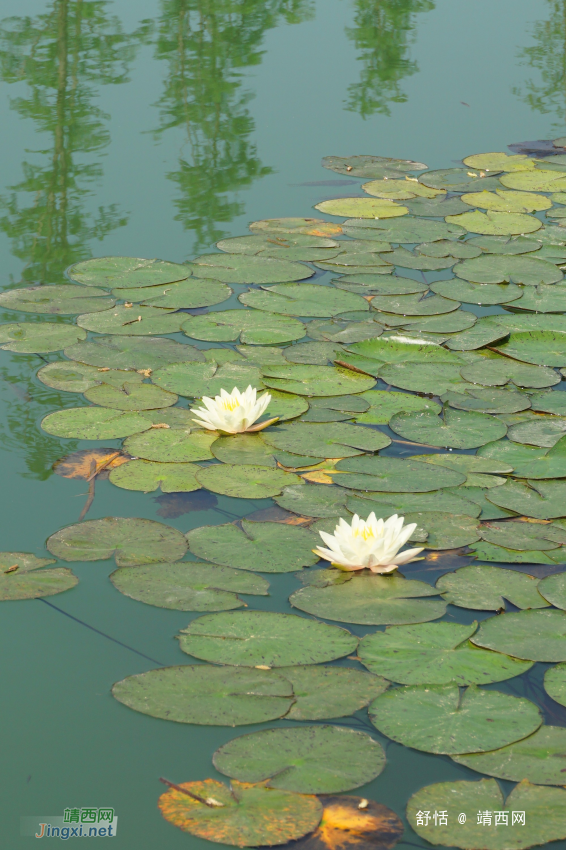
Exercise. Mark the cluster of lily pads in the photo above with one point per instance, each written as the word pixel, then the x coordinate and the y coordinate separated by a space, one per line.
pixel 380 360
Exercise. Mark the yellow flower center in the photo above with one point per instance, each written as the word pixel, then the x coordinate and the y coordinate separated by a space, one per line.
pixel 230 404
pixel 366 532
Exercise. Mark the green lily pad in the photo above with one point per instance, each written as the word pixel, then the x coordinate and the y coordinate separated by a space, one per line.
pixel 535 635
pixel 488 400
pixel 256 354
pixel 316 353
pixel 303 299
pixel 131 353
pixel 38 337
pixel 486 588
pixel 477 293
pixel 539 180
pixel 555 683
pixel 249 638
pixel 549 464
pixel 188 586
pixel 544 431
pixel 371 601
pixel 371 166
pixel 414 305
pixel 247 449
pixel 402 230
pixel 498 371
pixel 458 180
pixel 448 323
pixel 61 299
pixel 499 162
pixel 187 294
pixel 500 268
pixel 207 695
pixel 507 245
pixel 131 541
pixel 544 815
pixel 524 535
pixel 398 348
pixel 394 475
pixel 315 500
pixel 309 226
pixel 537 499
pixel 384 405
pixel 398 190
pixel 449 248
pixel 328 439
pixel 477 496
pixel 132 321
pixel 265 547
pixel 362 208
pixel 386 504
pixel 307 760
pixel 171 445
pixel 147 476
pixel 122 272
pixel 502 555
pixel 459 429
pixel 439 207
pixel 322 693
pixel 341 330
pixel 316 380
pixel 248 326
pixel 476 337
pixel 408 260
pixel 357 264
pixel 73 377
pixel 372 284
pixel 242 268
pixel 293 246
pixel 543 348
pixel 507 201
pixel 25 582
pixel 434 378
pixel 435 654
pixel 495 223
pixel 441 719
pixel 553 589
pixel 130 396
pixel 245 482
pixel 445 530
pixel 94 423
pixel 335 408
pixel 538 759
pixel 206 379
pixel 519 322
pixel 543 299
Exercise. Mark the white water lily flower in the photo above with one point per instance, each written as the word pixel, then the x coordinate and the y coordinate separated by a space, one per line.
pixel 373 544
pixel 235 412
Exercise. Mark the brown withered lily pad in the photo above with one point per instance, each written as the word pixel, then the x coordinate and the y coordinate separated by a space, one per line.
pixel 87 463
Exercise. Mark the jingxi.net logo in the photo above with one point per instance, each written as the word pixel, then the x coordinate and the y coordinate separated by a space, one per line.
pixel 86 822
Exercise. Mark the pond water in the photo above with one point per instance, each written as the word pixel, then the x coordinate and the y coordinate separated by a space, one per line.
pixel 156 129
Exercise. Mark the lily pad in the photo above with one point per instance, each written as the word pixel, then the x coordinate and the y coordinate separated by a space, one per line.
pixel 322 693
pixel 362 208
pixel 538 499
pixel 207 695
pixel 132 321
pixel 449 248
pixel 371 601
pixel 555 684
pixel 535 635
pixel 403 230
pixel 506 245
pixel 188 586
pixel 543 348
pixel 458 180
pixel 306 299
pixel 376 284
pixel 38 337
pixel 206 379
pixel 498 268
pixel 316 353
pixel 265 547
pixel 394 475
pixel 347 821
pixel 539 180
pixel 449 323
pixel 538 759
pixel 441 719
pixel 485 588
pixel 495 223
pixel 498 371
pixel 553 589
pixel 488 400
pixel 309 226
pixel 73 377
pixel 187 294
pixel 460 429
pixel 293 246
pixel 309 759
pixel 414 305
pixel 544 815
pixel 171 445
pixel 524 535
pixel 476 337
pixel 249 638
pixel 477 293
pixel 316 380
pixel 328 439
pixel 499 162
pixel 20 579
pixel 371 166
pixel 242 268
pixel 440 206
pixel 313 500
pixel 386 504
pixel 94 423
pixel 502 555
pixel 147 476
pixel 544 431
pixel 408 260
pixel 131 541
pixel 130 396
pixel 399 190
pixel 543 299
pixel 435 654
pixel 398 348
pixel 132 353
pixel 433 378
pixel 248 815
pixel 445 530
pixel 122 272
pixel 507 201
pixel 341 330
pixel 549 464
pixel 61 299
pixel 248 326
pixel 384 405
pixel 245 482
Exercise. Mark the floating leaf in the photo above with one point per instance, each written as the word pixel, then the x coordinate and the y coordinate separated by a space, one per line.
pixel 399 190
pixel 555 684
pixel 553 589
pixel 362 208
pixel 185 294
pixel 371 166
pixel 38 337
pixel 245 482
pixel 322 693
pixel 394 475
pixel 387 504
pixel 486 588
pixel 315 353
pixel 121 272
pixel 249 638
pixel 62 299
pixel 543 299
pixel 335 408
pixel 328 439
pixel 130 396
pixel 488 400
pixel 477 293
pixel 315 380
pixel 538 499
pixel 19 578
pixel 131 353
pixel 542 180
pixel 308 759
pixel 313 500
pixel 414 305
pixel 248 449
pixel 544 814
pixel 241 268
pixel 384 405
pixel 309 226
pixel 459 429
pixel 86 462
pixel 147 476
pixel 543 348
pixel 448 323
pixel 132 321
pixel 495 223
pixel 352 823
pixel 371 601
pixel 504 201
pixel 543 431
pixel 496 372
pixel 341 330
pixel 406 259
pixel 297 246
pixel 94 423
pixel 403 230
pixel 248 326
pixel 266 547
pixel 445 530
pixel 303 299
pixel 398 348
pixel 434 378
pixel 524 535
pixel 438 207
pixel 537 464
pixel 188 586
pixel 171 446
pixel 131 541
pixel 435 654
pixel 533 635
pixel 476 337
pixel 206 379
pixel 458 180
pixel 73 377
pixel 207 695
pixel 538 759
pixel 499 162
pixel 501 555
pixel 441 719
pixel 499 268
pixel 506 245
